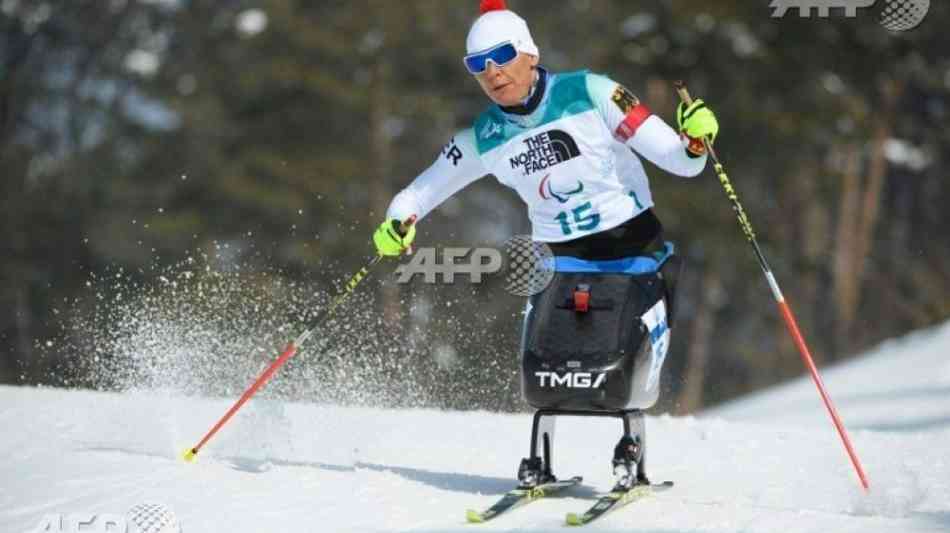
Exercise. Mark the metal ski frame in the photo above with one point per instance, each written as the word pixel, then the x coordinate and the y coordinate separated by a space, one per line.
pixel 632 419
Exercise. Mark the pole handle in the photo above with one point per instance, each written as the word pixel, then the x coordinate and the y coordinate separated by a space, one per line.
pixel 404 229
pixel 406 224
pixel 681 89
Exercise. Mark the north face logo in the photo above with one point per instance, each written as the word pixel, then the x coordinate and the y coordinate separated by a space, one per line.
pixel 544 151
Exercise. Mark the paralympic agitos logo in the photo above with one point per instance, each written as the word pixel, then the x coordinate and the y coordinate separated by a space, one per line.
pixel 561 197
pixel 545 150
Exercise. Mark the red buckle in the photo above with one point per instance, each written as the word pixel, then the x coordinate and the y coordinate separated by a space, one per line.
pixel 696 145
pixel 581 301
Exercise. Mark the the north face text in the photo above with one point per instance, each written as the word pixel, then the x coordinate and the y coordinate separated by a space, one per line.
pixel 544 151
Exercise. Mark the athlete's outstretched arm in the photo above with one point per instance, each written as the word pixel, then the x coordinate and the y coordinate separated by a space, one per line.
pixel 636 126
pixel 457 166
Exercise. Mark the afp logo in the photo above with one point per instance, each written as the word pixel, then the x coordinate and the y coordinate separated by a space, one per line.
pixel 149 517
pixel 895 15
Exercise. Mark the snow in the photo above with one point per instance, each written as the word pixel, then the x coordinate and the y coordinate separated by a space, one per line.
pixel 768 462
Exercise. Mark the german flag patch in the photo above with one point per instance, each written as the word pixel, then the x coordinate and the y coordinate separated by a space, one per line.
pixel 624 99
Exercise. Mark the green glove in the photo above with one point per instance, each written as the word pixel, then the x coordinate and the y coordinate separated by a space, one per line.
pixel 697 122
pixel 388 239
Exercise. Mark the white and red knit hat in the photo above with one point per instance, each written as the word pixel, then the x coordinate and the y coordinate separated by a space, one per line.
pixel 496 25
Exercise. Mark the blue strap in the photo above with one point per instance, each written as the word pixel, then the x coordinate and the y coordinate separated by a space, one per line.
pixel 627 265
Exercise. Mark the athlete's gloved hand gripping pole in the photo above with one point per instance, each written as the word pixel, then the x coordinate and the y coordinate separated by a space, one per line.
pixel 404 232
pixel 786 311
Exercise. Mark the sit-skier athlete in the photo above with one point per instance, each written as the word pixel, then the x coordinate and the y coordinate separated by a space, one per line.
pixel 568 143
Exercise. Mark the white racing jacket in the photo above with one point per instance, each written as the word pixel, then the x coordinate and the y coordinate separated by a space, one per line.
pixel 569 159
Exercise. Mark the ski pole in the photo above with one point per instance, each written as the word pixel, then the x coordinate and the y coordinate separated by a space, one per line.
pixel 189 454
pixel 783 306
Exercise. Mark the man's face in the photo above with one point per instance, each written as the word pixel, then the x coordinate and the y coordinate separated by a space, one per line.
pixel 509 85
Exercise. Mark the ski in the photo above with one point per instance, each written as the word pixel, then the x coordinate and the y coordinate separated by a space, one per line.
pixel 614 500
pixel 518 497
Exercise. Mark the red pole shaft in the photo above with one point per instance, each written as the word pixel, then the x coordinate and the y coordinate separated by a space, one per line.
pixel 258 383
pixel 810 363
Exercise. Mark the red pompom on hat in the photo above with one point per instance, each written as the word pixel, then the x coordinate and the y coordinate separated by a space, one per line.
pixel 491 5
